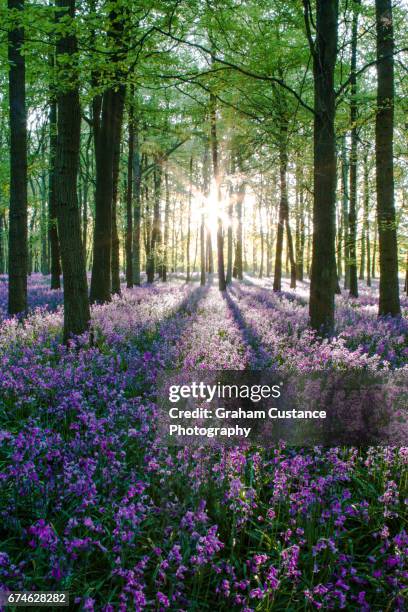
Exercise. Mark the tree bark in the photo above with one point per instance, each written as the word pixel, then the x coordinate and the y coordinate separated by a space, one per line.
pixel 86 184
pixel 45 264
pixel 166 232
pixel 291 254
pixel 389 303
pixel 261 231
pixel 283 205
pixel 353 157
pixel 323 272
pixel 107 130
pixel 2 249
pixel 18 232
pixel 228 278
pixel 222 285
pixel 300 224
pixel 115 258
pixel 129 196
pixel 76 305
pixel 202 251
pixel 366 222
pixel 373 262
pixel 238 271
pixel 137 185
pixel 152 262
pixel 190 195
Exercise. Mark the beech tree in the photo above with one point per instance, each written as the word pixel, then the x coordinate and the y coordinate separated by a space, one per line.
pixel 384 136
pixel 323 271
pixel 76 305
pixel 18 252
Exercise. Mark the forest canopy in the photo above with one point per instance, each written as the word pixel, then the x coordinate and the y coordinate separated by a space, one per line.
pixel 235 136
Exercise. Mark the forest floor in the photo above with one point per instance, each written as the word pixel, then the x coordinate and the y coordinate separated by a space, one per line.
pixel 92 502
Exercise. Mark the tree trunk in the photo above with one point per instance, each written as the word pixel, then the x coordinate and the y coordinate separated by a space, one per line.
pixel 283 205
pixel 291 254
pixel 85 203
pixel 115 259
pixel 228 278
pixel 366 234
pixel 76 305
pixel 152 262
pixel 209 255
pixel 196 249
pixel 362 252
pixel 353 156
pixel 323 273
pixel 18 233
pixel 220 230
pixel 389 303
pixel 2 249
pixel 300 224
pixel 129 197
pixel 107 130
pixel 261 265
pixel 190 195
pixel 202 251
pixel 345 213
pixel 374 250
pixel 254 244
pixel 166 226
pixel 137 185
pixel 238 247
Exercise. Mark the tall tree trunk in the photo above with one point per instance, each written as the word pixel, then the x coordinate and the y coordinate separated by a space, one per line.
pixel 76 305
pixel 374 250
pixel 345 213
pixel 181 243
pixel 366 220
pixel 254 243
pixel 228 278
pixel 166 226
pixel 261 231
pixel 129 196
pixel 86 182
pixel 45 263
pixel 196 249
pixel 238 271
pixel 18 233
pixel 291 254
pixel 217 178
pixel 283 205
pixel 323 273
pixel 115 258
pixel 389 303
pixel 2 249
pixel 202 251
pixel 300 223
pixel 173 238
pixel 137 187
pixel 353 156
pixel 190 195
pixel 209 253
pixel 362 252
pixel 102 239
pixel 107 130
pixel 30 244
pixel 152 262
